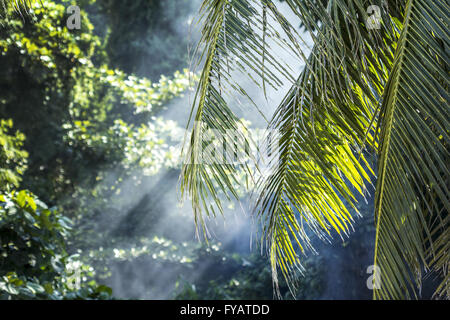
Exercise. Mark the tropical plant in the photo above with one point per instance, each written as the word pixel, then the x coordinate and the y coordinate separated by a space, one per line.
pixel 374 82
pixel 23 7
pixel 34 263
pixel 79 112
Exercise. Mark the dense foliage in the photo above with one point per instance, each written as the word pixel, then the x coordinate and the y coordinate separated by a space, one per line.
pixel 34 261
pixel 77 119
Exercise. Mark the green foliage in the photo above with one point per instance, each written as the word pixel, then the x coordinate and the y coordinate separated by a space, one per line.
pixel 33 260
pixel 95 136
pixel 20 6
pixel 32 241
pixel 413 195
pixel 73 102
pixel 364 88
pixel 41 57
pixel 12 158
pixel 34 263
pixel 82 121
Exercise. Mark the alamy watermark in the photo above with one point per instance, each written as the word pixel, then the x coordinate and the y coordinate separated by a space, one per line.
pixel 74 20
pixel 233 146
pixel 374 280
pixel 373 22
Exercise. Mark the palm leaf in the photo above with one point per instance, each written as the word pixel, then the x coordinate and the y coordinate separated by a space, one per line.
pixel 23 7
pixel 321 122
pixel 357 85
pixel 412 195
pixel 439 256
pixel 234 38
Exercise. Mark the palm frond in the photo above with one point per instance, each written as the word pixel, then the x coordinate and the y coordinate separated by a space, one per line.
pixel 358 84
pixel 439 255
pixel 322 121
pixel 234 38
pixel 412 195
pixel 23 7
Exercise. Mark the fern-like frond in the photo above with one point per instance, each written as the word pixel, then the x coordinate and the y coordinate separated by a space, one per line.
pixel 439 255
pixel 23 7
pixel 324 118
pixel 412 198
pixel 234 39
pixel 359 83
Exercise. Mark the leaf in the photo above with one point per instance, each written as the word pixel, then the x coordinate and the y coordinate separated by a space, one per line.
pixel 232 42
pixel 322 120
pixel 21 198
pixel 44 219
pixel 105 289
pixel 412 197
pixel 23 7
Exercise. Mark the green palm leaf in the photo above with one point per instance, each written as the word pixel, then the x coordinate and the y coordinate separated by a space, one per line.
pixel 439 257
pixel 412 198
pixel 321 122
pixel 233 39
pixel 21 6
